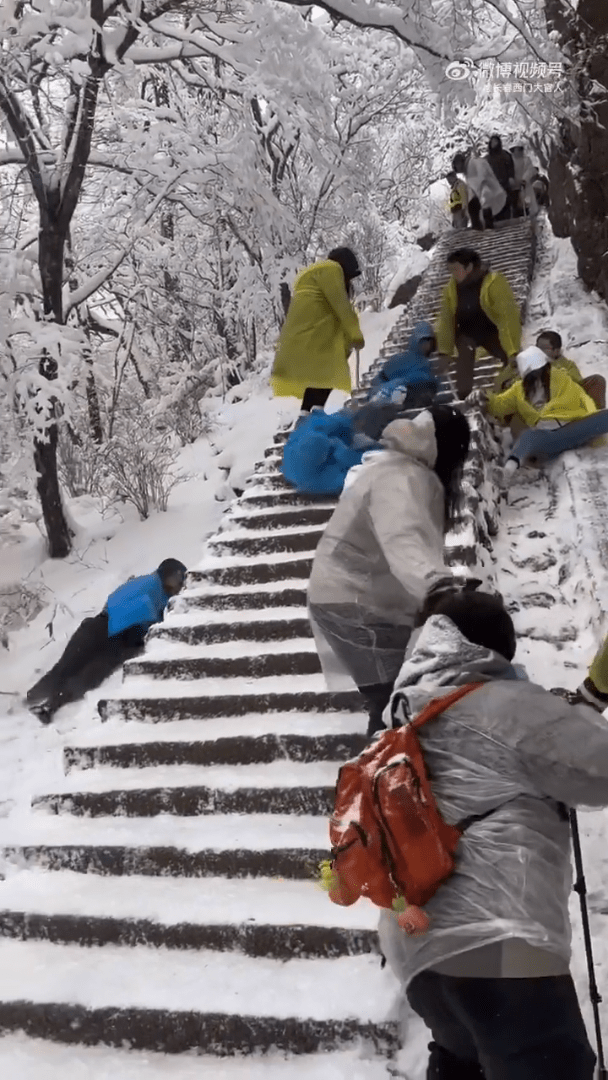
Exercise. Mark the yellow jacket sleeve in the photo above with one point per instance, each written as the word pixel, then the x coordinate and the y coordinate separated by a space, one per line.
pixel 500 305
pixel 569 367
pixel 331 283
pixel 445 327
pixel 507 403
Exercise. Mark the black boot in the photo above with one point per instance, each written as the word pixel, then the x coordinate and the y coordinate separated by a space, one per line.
pixel 376 699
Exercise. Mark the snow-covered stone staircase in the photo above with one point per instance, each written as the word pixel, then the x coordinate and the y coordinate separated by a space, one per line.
pixel 162 897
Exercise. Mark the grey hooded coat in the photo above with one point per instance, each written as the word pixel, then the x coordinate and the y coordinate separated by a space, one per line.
pixel 516 756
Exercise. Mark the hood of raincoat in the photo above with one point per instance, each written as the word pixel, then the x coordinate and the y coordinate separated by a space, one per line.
pixel 508 757
pixel 409 367
pixel 416 438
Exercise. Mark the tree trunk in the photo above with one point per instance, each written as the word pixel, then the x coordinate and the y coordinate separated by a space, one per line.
pixel 51 252
pixel 578 170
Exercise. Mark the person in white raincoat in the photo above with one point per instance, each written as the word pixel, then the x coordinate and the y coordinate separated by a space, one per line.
pixel 491 977
pixel 525 174
pixel 485 191
pixel 382 551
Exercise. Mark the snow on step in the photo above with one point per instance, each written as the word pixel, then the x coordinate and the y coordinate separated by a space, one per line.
pixel 143 687
pixel 241 590
pixel 34 1059
pixel 275 774
pixel 196 617
pixel 166 649
pixel 206 982
pixel 170 901
pixel 230 561
pixel 245 534
pixel 117 732
pixel 215 832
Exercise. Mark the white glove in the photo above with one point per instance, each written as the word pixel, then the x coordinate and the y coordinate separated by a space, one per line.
pixel 477 398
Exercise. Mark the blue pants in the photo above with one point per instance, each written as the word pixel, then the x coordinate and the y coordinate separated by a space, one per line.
pixel 502 1029
pixel 536 443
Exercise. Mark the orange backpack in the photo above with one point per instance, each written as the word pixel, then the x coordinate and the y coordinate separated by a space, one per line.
pixel 389 841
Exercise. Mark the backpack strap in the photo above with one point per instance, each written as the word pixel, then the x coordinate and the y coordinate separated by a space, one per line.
pixel 439 705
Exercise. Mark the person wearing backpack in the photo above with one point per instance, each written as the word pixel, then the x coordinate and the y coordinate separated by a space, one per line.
pixel 491 976
pixel 382 550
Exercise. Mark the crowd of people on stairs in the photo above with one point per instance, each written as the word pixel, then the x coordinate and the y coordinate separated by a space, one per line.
pixel 486 965
pixel 497 187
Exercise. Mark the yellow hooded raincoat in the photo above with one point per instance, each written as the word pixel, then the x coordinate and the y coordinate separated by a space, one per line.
pixel 319 332
pixel 567 401
pixel 499 304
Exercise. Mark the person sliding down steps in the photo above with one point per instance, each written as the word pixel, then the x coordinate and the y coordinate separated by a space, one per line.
pixel 102 643
pixel 557 412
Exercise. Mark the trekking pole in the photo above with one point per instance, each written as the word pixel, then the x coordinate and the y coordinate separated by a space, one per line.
pixel 357 368
pixel 580 887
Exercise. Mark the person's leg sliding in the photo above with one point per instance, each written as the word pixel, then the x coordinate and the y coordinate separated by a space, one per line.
pixel 86 643
pixel 465 366
pixel 453 1055
pixel 540 443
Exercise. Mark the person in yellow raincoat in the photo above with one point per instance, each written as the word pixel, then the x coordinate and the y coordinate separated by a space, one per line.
pixel 557 412
pixel 478 310
pixel 320 330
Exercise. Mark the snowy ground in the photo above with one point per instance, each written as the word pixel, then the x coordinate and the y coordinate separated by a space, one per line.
pixel 556 644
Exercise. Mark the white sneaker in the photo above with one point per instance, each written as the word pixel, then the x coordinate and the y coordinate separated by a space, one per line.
pixel 509 469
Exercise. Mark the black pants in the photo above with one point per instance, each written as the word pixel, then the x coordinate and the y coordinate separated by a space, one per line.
pixel 466 344
pixel 314 397
pixel 376 699
pixel 474 209
pixel 503 1029
pixel 90 656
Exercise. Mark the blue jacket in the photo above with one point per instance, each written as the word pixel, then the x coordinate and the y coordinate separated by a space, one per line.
pixel 319 453
pixel 139 602
pixel 407 368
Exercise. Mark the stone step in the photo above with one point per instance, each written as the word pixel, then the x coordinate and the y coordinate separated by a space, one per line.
pixel 283 519
pixel 254 917
pixel 243 750
pixel 289 498
pixel 306 540
pixel 254 667
pixel 258 600
pixel 146 999
pixel 255 573
pixel 235 846
pixel 164 709
pixel 190 801
pixel 241 630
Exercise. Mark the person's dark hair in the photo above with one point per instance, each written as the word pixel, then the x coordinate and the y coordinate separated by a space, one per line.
pixel 453 435
pixel 533 378
pixel 465 256
pixel 348 261
pixel 518 146
pixel 552 336
pixel 170 568
pixel 451 176
pixel 459 162
pixel 481 619
pixel 497 139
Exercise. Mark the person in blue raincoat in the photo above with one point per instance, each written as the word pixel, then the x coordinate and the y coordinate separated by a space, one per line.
pixel 320 450
pixel 102 643
pixel 410 371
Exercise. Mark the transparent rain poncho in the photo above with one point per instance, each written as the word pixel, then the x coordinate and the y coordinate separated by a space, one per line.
pixel 519 755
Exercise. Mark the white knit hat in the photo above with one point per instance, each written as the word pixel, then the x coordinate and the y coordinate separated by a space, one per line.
pixel 531 359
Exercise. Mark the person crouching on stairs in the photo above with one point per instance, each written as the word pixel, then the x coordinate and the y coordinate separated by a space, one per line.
pixel 478 310
pixel 557 412
pixel 383 549
pixel 102 643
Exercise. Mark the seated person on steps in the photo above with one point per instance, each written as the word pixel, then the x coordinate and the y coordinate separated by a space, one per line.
pixel 102 643
pixel 409 371
pixel 556 411
pixel 593 385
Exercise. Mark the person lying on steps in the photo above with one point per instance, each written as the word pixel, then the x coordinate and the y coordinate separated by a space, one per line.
pixel 491 977
pixel 557 412
pixel 478 310
pixel 102 643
